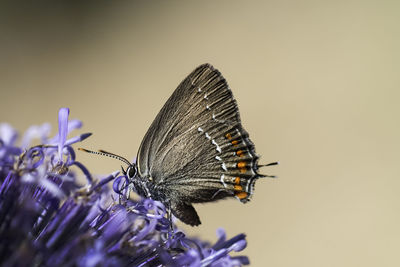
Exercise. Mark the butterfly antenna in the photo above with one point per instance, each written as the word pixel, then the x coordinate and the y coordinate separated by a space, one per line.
pixel 105 153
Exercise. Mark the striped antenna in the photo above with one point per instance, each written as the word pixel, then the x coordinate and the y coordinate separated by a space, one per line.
pixel 108 154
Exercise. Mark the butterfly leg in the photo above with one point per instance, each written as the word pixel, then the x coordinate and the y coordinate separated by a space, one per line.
pixel 171 231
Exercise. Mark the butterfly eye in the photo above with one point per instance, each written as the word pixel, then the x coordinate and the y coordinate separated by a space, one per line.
pixel 131 171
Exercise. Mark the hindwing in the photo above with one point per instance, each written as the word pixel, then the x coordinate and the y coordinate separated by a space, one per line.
pixel 196 149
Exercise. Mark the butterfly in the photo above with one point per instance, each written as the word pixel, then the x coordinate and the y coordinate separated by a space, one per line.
pixel 196 150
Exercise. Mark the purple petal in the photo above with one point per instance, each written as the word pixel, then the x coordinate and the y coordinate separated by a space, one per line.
pixel 221 234
pixel 8 134
pixel 84 170
pixel 241 260
pixel 94 257
pixel 71 155
pixel 147 229
pixel 34 153
pixel 238 246
pixel 10 150
pixel 42 132
pixel 75 214
pixel 52 187
pixel 62 130
pixel 221 238
pixel 117 187
pixel 190 258
pixel 5 184
pixel 229 242
pixel 106 180
pixel 159 208
pixel 78 138
pixel 214 257
pixel 74 124
pixel 116 225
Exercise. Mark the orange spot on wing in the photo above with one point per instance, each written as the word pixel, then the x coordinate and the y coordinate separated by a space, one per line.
pixel 238 188
pixel 240 153
pixel 228 136
pixel 241 164
pixel 235 142
pixel 241 195
pixel 237 180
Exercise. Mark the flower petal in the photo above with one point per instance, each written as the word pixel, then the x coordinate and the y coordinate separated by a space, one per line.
pixel 42 132
pixel 62 130
pixel 78 138
pixel 84 170
pixel 74 124
pixel 8 134
pixel 106 180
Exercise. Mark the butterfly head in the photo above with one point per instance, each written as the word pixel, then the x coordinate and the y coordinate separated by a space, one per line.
pixel 130 171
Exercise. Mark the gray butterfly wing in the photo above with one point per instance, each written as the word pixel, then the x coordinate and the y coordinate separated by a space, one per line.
pixel 196 149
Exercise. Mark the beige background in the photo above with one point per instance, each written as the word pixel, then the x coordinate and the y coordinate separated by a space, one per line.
pixel 317 83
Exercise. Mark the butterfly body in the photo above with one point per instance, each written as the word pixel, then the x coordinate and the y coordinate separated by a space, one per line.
pixel 196 149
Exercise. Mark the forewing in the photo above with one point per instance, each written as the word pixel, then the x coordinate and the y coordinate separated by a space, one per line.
pixel 196 148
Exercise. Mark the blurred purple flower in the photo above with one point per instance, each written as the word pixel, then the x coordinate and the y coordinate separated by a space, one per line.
pixel 48 219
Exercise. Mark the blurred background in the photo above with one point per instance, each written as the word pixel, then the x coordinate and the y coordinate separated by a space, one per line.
pixel 317 83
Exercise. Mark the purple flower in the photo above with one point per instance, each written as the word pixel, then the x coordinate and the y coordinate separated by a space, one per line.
pixel 62 130
pixel 48 219
pixel 8 149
